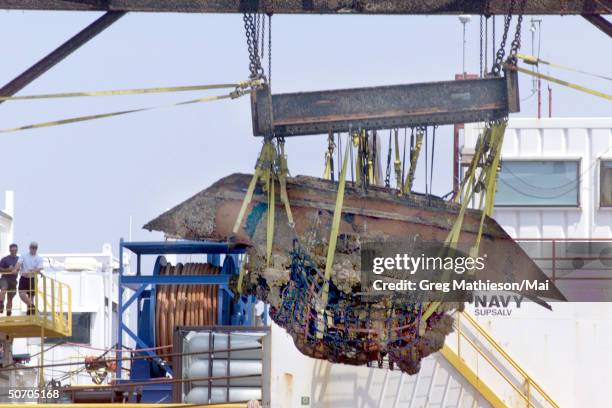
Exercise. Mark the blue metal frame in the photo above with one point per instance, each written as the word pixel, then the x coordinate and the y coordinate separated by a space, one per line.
pixel 140 284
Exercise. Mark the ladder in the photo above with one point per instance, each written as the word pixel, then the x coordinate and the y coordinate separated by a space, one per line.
pixel 484 363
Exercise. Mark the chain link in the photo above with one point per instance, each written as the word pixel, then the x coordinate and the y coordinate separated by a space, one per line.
pixel 252 45
pixel 263 36
pixel 486 46
pixel 516 43
pixel 501 52
pixel 270 49
pixel 481 46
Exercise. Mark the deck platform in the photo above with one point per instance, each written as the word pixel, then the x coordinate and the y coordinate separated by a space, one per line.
pixel 34 326
pixel 52 314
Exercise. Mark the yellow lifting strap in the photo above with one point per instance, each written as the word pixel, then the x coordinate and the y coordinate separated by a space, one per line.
pixel 531 60
pixel 491 141
pixel 468 187
pixel 358 165
pixel 85 118
pixel 491 173
pixel 270 223
pixel 397 163
pixel 329 157
pixel 264 164
pixel 333 239
pixel 561 82
pixel 134 91
pixel 282 180
pixel 414 157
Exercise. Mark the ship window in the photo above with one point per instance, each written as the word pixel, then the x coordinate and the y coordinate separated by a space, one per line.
pixel 81 330
pixel 546 183
pixel 605 186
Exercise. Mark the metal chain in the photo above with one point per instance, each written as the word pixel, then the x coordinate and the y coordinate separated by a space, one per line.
pixel 486 47
pixel 388 172
pixel 501 52
pixel 481 45
pixel 257 31
pixel 270 49
pixel 516 43
pixel 492 41
pixel 263 35
pixel 252 46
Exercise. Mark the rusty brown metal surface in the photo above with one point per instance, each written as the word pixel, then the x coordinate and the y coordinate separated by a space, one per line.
pixel 361 331
pixel 376 215
pixel 383 107
pixel 60 53
pixel 487 7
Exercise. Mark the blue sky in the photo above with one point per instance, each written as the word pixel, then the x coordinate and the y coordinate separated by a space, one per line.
pixel 77 186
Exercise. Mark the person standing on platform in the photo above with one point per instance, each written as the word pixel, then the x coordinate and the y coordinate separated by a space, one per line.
pixel 8 281
pixel 29 265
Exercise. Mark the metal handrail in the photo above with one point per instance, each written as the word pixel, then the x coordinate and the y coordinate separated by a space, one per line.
pixel 53 298
pixel 531 384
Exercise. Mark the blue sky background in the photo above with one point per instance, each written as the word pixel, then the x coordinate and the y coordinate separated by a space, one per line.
pixel 77 186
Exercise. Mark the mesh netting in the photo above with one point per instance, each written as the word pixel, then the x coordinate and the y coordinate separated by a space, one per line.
pixel 346 329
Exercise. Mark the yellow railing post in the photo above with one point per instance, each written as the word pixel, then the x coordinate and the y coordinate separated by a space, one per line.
pixel 53 311
pixel 69 328
pixel 458 335
pixel 479 332
pixel 44 295
pixel 528 397
pixel 35 295
pixel 61 303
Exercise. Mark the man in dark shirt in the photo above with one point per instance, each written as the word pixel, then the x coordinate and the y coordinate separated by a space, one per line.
pixel 8 281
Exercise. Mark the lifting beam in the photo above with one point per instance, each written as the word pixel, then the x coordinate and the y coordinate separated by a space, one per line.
pixel 385 107
pixel 486 7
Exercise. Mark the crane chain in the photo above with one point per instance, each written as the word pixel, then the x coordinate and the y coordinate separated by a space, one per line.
pixel 252 45
pixel 516 42
pixel 501 52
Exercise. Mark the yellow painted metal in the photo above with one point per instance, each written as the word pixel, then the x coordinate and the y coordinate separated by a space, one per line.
pixel 52 314
pixel 475 330
pixel 527 379
pixel 472 377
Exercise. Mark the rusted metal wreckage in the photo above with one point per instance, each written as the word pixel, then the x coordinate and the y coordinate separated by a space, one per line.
pixel 330 318
pixel 360 331
pixel 356 331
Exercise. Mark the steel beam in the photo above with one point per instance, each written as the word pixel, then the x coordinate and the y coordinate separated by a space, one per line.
pixel 433 103
pixel 600 22
pixel 60 53
pixel 486 7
